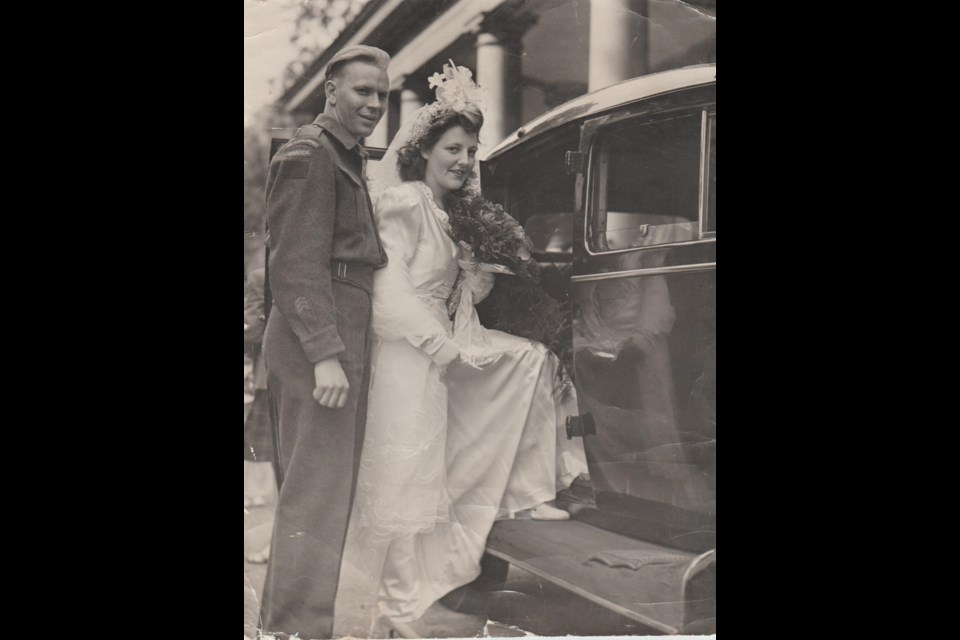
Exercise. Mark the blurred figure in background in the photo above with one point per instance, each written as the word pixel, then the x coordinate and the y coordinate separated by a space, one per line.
pixel 259 482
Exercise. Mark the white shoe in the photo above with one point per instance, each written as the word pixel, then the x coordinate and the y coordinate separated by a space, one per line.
pixel 254 501
pixel 546 512
pixel 260 557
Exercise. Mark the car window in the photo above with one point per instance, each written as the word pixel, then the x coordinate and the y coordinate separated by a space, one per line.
pixel 541 194
pixel 646 182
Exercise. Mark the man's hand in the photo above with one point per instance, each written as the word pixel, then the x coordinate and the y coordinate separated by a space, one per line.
pixel 331 384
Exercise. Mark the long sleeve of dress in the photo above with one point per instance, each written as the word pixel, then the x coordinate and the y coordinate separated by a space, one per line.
pixel 398 311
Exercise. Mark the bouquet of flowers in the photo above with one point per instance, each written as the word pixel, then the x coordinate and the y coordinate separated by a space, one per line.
pixel 492 236
pixel 520 306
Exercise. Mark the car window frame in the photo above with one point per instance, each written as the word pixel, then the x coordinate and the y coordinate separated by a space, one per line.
pixel 709 123
pixel 670 105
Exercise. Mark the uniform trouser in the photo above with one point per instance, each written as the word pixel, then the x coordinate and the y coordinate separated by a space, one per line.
pixel 317 455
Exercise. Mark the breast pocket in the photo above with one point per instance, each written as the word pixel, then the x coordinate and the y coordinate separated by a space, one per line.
pixel 351 201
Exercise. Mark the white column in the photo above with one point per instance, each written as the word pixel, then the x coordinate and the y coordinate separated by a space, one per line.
pixel 409 103
pixel 612 25
pixel 492 76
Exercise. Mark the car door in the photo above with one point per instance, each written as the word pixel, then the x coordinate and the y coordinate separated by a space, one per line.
pixel 643 304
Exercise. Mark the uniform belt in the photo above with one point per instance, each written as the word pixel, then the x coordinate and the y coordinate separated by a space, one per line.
pixel 355 273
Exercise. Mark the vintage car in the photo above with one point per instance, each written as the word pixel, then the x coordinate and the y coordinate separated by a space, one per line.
pixel 617 189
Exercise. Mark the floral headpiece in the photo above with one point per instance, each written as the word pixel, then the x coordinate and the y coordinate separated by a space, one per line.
pixel 456 90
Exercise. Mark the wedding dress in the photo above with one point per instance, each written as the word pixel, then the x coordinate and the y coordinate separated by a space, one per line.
pixel 450 447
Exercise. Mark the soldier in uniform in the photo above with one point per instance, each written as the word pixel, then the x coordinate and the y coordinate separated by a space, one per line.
pixel 323 250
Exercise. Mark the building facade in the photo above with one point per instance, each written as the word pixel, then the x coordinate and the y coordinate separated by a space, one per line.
pixel 529 55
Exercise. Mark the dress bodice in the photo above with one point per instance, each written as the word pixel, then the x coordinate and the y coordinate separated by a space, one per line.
pixel 433 266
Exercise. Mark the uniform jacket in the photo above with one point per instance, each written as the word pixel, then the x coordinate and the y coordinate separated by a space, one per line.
pixel 318 211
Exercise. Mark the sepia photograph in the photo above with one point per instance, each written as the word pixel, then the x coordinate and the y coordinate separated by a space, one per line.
pixel 479 318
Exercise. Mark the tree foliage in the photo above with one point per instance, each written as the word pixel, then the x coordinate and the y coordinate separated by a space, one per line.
pixel 317 26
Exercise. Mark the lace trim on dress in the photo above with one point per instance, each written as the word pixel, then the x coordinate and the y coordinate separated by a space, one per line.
pixel 427 193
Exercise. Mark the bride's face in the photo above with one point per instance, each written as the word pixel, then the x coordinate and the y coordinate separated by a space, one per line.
pixel 450 161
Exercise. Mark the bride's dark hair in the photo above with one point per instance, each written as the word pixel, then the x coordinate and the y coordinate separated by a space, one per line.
pixel 413 166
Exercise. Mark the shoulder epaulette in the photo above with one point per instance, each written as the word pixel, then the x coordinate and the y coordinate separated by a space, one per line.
pixel 303 141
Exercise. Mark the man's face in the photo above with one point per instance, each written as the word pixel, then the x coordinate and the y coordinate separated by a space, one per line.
pixel 358 96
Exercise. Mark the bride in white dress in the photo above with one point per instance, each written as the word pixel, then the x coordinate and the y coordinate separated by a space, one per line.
pixel 464 424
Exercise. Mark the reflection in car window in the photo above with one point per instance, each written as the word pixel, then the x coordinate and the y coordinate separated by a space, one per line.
pixel 540 194
pixel 647 183
pixel 551 233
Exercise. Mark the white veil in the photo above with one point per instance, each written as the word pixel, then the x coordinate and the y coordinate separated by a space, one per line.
pixel 385 173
